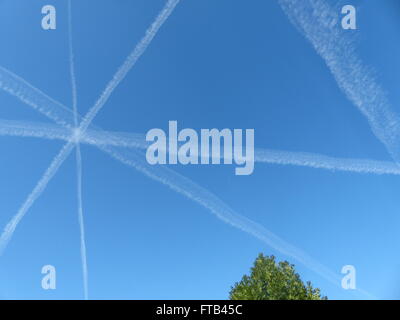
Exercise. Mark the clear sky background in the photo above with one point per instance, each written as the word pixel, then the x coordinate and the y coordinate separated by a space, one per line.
pixel 214 64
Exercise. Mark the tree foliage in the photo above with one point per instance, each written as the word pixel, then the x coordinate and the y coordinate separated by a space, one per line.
pixel 271 280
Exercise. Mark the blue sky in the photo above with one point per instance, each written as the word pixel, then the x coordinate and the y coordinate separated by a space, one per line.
pixel 214 64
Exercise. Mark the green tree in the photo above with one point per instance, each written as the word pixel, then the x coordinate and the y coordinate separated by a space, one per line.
pixel 270 280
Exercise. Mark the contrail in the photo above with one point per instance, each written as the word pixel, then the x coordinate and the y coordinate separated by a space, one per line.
pixel 81 221
pixel 34 130
pixel 39 188
pixel 93 136
pixel 35 98
pixel 319 23
pixel 136 140
pixel 53 112
pixel 319 161
pixel 85 272
pixel 130 61
pixel 72 66
pixel 186 187
pixel 191 190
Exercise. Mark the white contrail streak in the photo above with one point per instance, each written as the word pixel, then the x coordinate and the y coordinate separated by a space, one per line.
pixel 34 130
pixel 130 61
pixel 53 113
pixel 35 98
pixel 205 198
pixel 319 22
pixel 81 220
pixel 319 161
pixel 72 66
pixel 37 191
pixel 135 140
pixel 93 136
pixel 191 190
